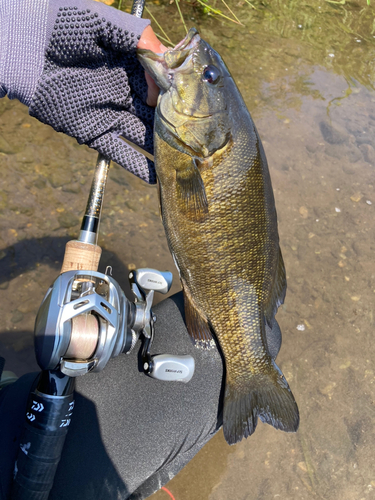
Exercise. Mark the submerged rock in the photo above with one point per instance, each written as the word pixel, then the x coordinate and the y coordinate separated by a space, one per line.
pixel 67 220
pixel 3 200
pixel 17 317
pixel 332 135
pixel 59 177
pixel 5 147
pixel 354 154
pixel 368 153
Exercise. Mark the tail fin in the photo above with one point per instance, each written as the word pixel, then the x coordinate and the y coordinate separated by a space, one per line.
pixel 267 396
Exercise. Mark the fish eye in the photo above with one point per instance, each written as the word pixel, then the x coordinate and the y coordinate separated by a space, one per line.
pixel 211 74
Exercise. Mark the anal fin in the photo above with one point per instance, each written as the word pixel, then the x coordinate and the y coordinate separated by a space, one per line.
pixel 278 291
pixel 198 328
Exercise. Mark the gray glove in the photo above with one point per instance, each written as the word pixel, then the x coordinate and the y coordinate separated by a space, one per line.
pixel 91 85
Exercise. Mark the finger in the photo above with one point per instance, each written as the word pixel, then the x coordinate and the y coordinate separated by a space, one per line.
pixel 114 148
pixel 153 91
pixel 134 130
pixel 150 41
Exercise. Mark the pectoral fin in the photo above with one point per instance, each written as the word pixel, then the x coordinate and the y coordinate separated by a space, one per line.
pixel 191 190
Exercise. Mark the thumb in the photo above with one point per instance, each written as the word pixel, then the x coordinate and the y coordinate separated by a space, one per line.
pixel 150 41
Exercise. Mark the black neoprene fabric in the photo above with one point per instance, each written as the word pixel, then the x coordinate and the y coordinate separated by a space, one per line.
pixel 130 434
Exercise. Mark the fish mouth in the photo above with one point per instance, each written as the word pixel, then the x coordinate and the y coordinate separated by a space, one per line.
pixel 191 37
pixel 161 66
pixel 175 58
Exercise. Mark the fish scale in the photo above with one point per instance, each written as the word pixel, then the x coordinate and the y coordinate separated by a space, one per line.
pixel 219 216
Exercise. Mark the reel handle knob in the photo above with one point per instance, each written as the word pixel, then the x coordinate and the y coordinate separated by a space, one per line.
pixel 151 279
pixel 170 367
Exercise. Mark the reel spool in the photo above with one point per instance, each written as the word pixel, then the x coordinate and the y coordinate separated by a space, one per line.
pixel 85 319
pixel 81 323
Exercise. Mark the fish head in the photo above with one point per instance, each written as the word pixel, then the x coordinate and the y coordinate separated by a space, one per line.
pixel 193 101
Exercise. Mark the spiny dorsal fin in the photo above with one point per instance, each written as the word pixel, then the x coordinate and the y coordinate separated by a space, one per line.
pixel 198 328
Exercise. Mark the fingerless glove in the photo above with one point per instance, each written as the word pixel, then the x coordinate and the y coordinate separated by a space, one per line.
pixel 88 82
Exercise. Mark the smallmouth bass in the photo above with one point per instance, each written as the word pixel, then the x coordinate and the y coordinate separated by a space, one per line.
pixel 219 216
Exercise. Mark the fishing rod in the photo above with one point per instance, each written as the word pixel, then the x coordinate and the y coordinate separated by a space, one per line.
pixel 85 319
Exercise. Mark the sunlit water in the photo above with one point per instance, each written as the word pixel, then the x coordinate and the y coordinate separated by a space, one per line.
pixel 306 73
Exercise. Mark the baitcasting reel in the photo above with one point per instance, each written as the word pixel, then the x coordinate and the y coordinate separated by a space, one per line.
pixel 85 319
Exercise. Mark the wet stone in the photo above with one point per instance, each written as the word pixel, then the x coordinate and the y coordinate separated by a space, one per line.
pixel 368 153
pixel 348 170
pixel 3 200
pixel 4 285
pixel 353 154
pixel 40 183
pixel 67 220
pixel 356 197
pixel 5 104
pixel 304 213
pixel 47 224
pixel 5 147
pixel 59 177
pixel 365 139
pixel 28 306
pixel 335 151
pixel 72 188
pixel 26 210
pixel 17 317
pixel 359 248
pixel 131 205
pixel 311 146
pixel 21 209
pixel 354 127
pixel 331 134
pixel 26 156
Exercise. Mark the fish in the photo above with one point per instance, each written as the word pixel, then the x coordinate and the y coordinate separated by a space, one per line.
pixel 220 220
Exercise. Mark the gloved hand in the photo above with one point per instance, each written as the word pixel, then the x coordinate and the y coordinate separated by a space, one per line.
pixel 90 85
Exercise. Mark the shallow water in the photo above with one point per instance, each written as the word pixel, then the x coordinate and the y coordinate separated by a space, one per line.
pixel 306 73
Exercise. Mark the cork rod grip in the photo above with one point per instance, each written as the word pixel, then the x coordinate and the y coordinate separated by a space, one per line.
pixel 81 256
